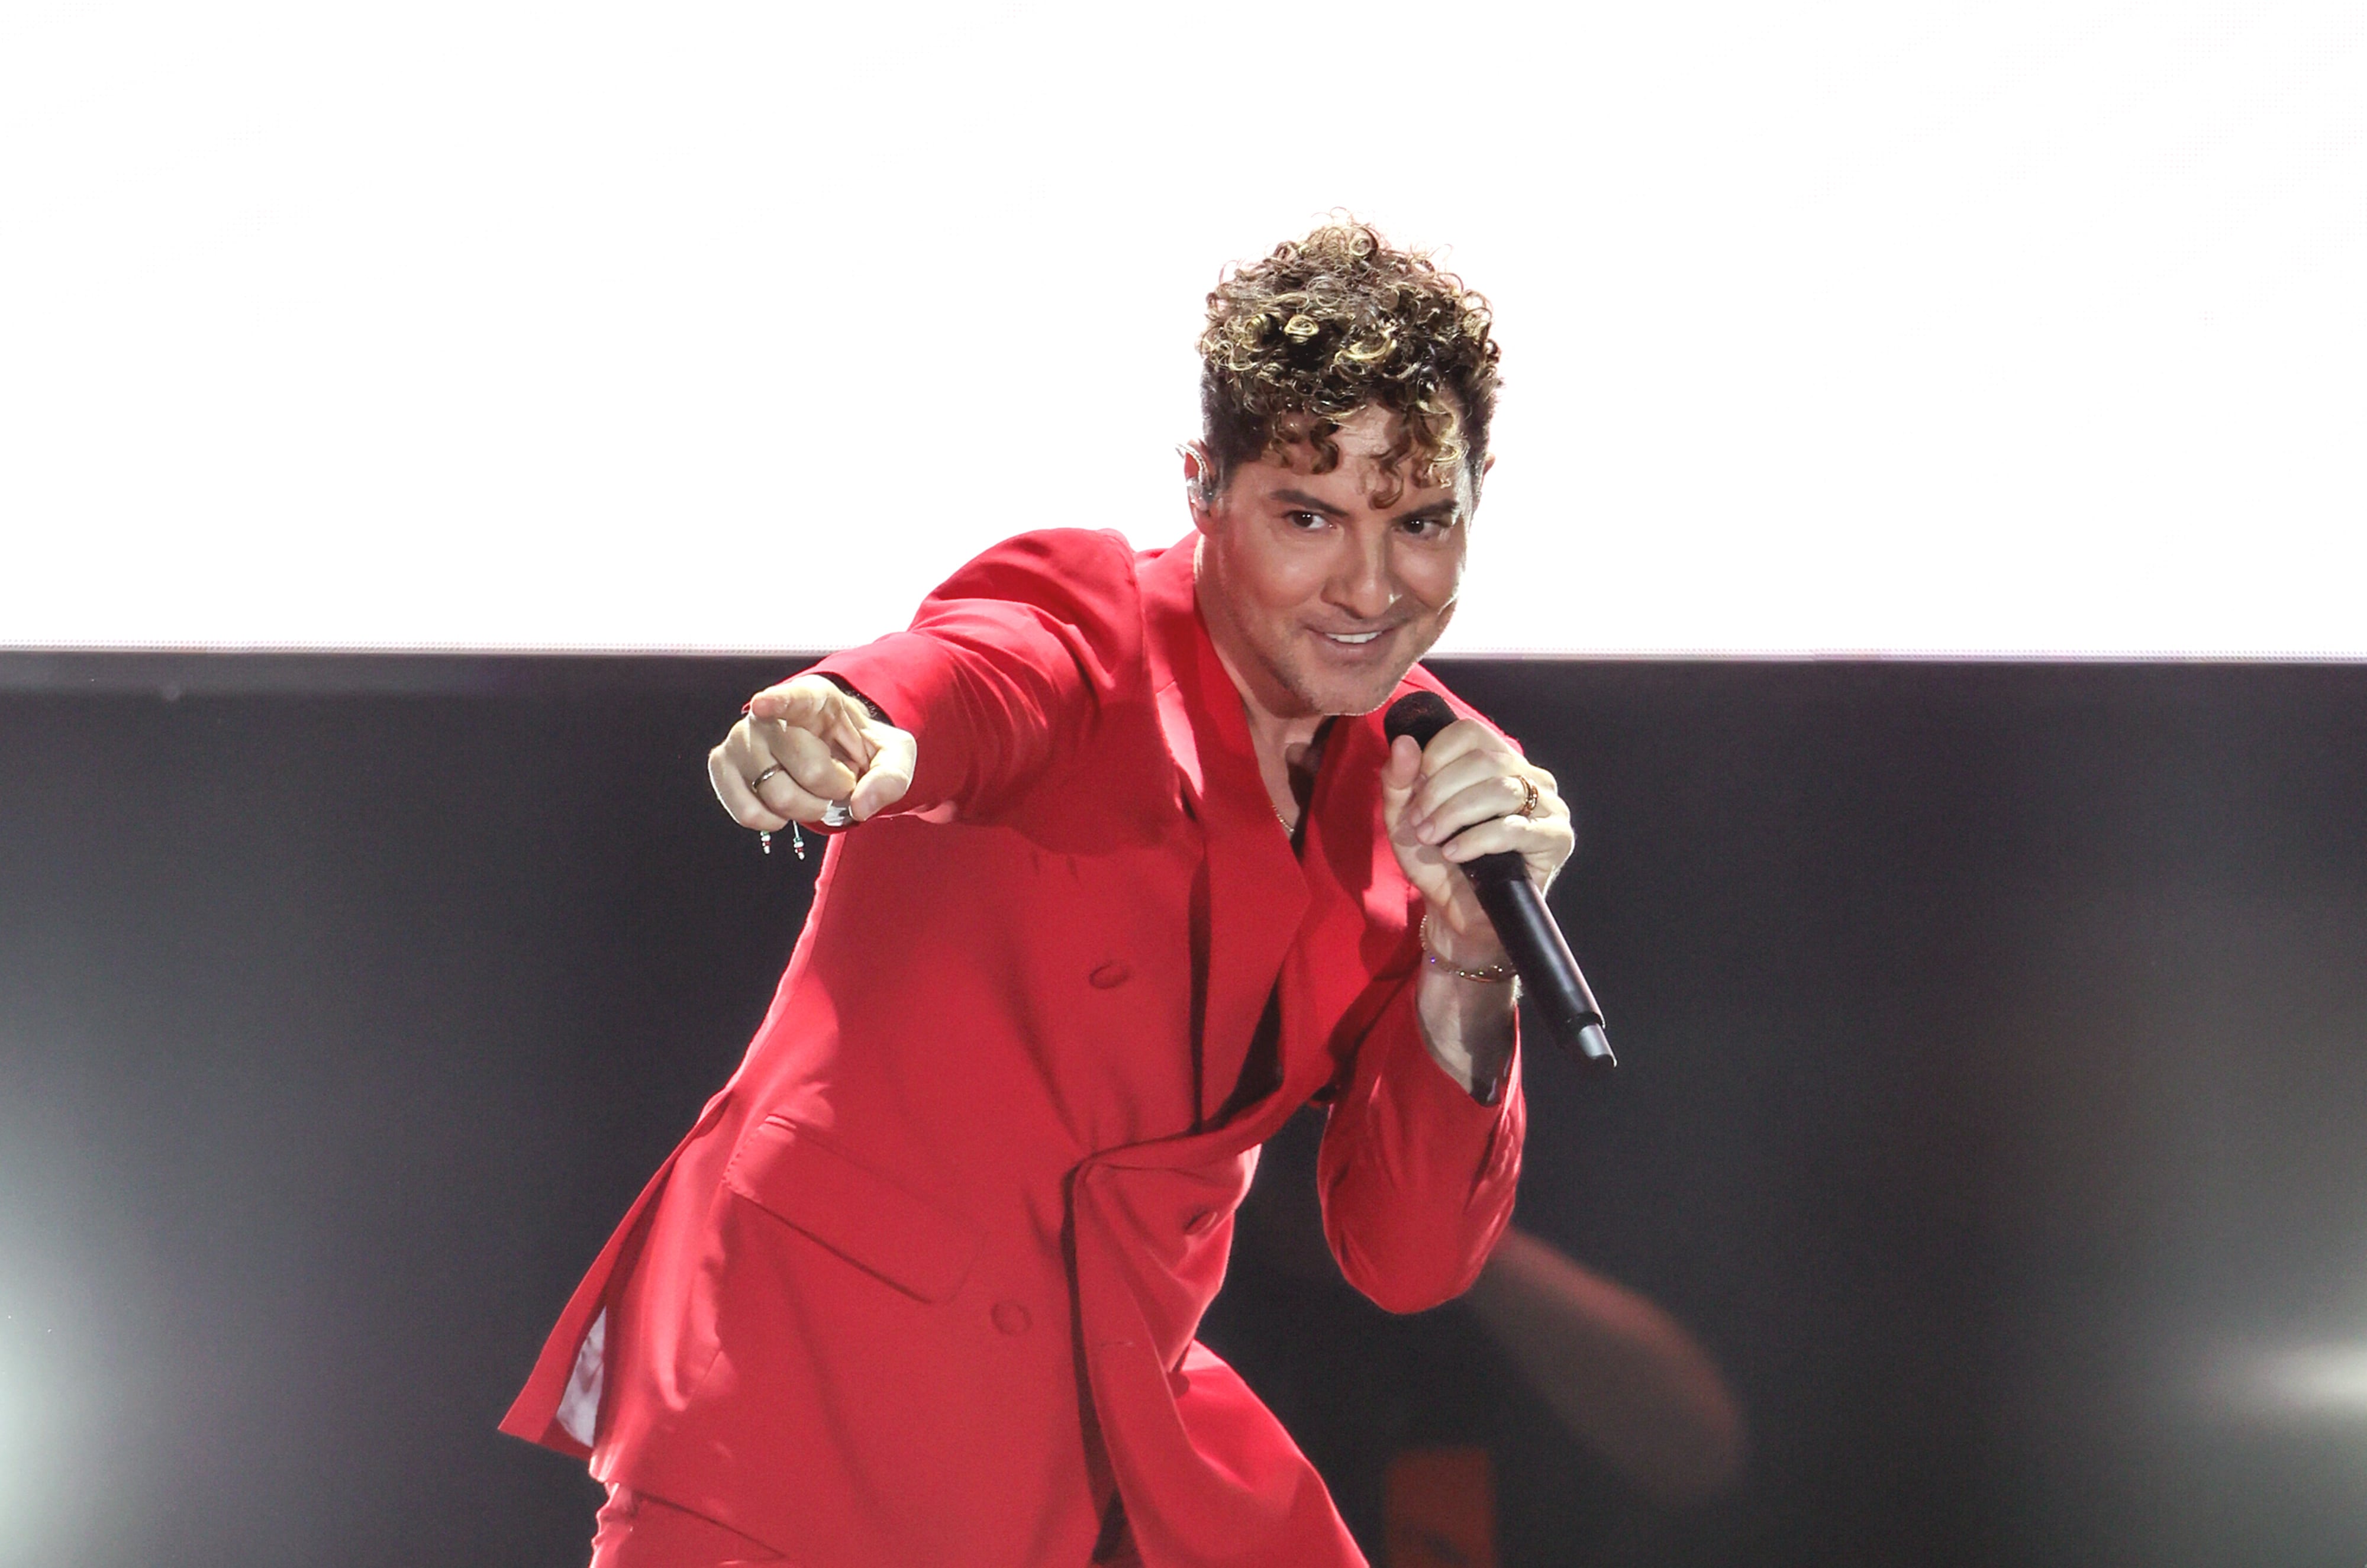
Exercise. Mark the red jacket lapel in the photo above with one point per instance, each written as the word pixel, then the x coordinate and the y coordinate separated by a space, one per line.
pixel 1257 895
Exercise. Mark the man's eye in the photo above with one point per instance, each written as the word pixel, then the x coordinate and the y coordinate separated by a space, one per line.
pixel 1305 522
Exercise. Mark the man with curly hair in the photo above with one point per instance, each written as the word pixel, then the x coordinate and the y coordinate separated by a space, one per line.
pixel 1134 874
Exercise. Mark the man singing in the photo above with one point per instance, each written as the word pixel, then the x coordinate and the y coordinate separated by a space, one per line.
pixel 1135 872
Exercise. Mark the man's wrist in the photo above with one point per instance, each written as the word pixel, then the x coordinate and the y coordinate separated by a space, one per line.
pixel 1467 1027
pixel 1495 971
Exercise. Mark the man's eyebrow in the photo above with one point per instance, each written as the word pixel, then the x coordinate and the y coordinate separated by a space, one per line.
pixel 1446 507
pixel 1299 498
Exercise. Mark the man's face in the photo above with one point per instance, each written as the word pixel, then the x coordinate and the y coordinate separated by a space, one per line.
pixel 1321 598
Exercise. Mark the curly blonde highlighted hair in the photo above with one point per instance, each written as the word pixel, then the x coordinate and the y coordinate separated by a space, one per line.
pixel 1342 320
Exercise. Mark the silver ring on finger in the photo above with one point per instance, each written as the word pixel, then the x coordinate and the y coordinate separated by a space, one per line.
pixel 1529 807
pixel 758 782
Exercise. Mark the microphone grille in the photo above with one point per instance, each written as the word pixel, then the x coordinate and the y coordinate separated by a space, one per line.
pixel 1419 714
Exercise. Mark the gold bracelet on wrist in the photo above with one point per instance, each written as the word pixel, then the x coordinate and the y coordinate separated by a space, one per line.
pixel 1494 975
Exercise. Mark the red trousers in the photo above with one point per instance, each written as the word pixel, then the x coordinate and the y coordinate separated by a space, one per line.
pixel 637 1530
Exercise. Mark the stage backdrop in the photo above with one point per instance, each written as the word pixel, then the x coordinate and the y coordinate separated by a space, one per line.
pixel 2030 326
pixel 1994 1039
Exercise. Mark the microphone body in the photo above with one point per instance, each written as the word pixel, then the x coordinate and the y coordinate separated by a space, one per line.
pixel 1501 881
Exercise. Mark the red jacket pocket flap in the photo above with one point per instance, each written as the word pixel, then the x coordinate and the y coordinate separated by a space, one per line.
pixel 792 1173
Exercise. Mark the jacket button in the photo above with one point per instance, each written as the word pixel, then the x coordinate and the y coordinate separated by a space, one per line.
pixel 1110 975
pixel 1011 1317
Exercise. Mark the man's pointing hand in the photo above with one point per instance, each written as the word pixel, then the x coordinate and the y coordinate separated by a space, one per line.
pixel 803 746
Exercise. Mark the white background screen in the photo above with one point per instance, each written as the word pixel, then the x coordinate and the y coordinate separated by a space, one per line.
pixel 2017 329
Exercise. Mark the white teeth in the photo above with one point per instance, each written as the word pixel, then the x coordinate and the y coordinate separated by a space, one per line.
pixel 1360 637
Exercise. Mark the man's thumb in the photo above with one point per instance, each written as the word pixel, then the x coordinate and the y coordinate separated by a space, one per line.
pixel 1398 776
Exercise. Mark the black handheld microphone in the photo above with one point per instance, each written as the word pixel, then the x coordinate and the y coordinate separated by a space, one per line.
pixel 1539 954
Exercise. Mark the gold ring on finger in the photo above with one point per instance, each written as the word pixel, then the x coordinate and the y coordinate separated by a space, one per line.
pixel 1529 807
pixel 758 782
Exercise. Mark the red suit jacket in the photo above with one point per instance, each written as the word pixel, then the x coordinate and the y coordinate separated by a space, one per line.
pixel 921 1285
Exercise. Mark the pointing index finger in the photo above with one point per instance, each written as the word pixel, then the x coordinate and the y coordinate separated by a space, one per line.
pixel 788 703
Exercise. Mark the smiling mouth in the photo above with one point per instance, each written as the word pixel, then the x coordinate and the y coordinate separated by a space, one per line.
pixel 1355 639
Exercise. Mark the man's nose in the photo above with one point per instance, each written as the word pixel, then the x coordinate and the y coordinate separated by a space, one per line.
pixel 1363 585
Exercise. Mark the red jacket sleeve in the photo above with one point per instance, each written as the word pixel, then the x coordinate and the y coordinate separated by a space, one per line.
pixel 1006 667
pixel 1417 1176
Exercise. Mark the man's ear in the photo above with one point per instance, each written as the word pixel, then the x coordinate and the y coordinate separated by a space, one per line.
pixel 1199 483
